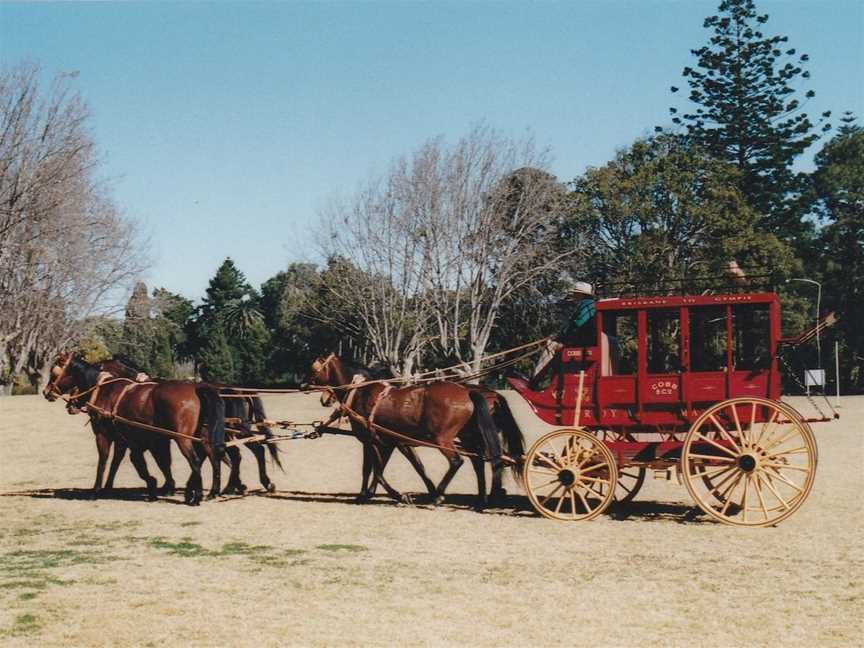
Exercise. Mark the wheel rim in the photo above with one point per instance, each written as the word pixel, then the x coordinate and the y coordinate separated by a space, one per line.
pixel 569 475
pixel 630 480
pixel 749 461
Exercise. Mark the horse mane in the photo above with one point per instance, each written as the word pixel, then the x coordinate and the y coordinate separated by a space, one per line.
pixel 378 372
pixel 89 372
pixel 127 363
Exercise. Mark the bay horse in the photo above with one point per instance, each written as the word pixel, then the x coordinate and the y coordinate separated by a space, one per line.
pixel 511 438
pixel 182 407
pixel 245 411
pixel 436 413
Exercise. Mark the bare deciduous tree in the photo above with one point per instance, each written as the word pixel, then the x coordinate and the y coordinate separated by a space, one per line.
pixel 444 240
pixel 65 252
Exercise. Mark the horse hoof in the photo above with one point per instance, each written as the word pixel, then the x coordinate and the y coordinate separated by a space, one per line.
pixel 271 487
pixel 167 489
pixel 362 499
pixel 211 495
pixel 438 500
pixel 241 489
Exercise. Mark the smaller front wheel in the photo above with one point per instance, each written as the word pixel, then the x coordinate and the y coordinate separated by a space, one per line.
pixel 570 475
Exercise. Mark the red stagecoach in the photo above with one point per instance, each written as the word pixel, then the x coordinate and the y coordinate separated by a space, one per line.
pixel 690 383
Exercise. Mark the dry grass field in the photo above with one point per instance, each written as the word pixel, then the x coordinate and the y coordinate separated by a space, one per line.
pixel 306 566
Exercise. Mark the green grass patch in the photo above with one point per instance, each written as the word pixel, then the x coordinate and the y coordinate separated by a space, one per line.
pixel 285 558
pixel 183 548
pixel 242 549
pixel 350 548
pixel 26 624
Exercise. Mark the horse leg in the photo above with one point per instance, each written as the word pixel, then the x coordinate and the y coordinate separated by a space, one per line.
pixel 480 470
pixel 367 488
pixel 414 460
pixel 103 447
pixel 137 457
pixel 120 447
pixel 232 458
pixel 498 494
pixel 378 464
pixel 260 456
pixel 193 491
pixel 216 465
pixel 456 462
pixel 162 453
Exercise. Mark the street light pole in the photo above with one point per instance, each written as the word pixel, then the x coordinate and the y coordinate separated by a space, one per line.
pixel 818 308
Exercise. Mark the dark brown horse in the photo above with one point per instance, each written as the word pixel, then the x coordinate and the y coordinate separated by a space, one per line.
pixel 247 416
pixel 438 413
pixel 183 408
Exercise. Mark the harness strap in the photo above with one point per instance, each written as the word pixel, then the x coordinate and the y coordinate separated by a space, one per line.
pixel 387 389
pixel 120 396
pixel 101 378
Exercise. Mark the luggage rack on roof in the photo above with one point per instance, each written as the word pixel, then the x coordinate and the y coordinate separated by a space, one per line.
pixel 696 285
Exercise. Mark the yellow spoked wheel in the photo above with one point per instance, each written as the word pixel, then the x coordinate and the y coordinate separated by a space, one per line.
pixel 569 475
pixel 630 480
pixel 749 461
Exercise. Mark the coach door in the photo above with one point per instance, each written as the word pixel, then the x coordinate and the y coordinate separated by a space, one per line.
pixel 660 359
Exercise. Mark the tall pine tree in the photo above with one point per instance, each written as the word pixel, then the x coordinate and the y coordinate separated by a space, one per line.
pixel 748 112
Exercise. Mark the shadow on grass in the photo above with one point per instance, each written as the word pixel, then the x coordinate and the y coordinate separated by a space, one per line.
pixel 510 506
pixel 86 494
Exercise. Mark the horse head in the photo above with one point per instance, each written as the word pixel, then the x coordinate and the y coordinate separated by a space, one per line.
pixel 62 380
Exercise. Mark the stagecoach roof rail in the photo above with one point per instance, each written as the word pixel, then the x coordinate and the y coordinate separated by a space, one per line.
pixel 700 284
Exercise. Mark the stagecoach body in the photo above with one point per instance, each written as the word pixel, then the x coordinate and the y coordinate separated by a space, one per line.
pixel 685 382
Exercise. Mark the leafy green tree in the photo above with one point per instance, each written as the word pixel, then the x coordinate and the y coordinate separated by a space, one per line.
pixel 839 187
pixel 289 301
pixel 664 209
pixel 230 322
pixel 137 340
pixel 749 114
pixel 216 358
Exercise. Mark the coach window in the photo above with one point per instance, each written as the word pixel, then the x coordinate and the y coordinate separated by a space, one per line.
pixel 708 338
pixel 619 332
pixel 752 336
pixel 664 341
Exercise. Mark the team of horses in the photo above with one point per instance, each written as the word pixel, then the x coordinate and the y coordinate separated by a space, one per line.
pixel 134 413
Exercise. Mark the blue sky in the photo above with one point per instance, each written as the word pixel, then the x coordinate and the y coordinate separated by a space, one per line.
pixel 225 126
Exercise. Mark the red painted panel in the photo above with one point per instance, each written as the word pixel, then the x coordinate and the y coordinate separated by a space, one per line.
pixel 745 383
pixel 616 390
pixel 664 388
pixel 705 386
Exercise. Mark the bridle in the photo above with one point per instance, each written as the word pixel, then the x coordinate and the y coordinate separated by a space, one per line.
pixel 322 366
pixel 51 389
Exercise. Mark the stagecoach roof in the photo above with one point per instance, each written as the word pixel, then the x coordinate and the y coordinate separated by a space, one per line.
pixel 672 301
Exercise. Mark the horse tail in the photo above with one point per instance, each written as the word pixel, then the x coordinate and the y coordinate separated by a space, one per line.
pixel 258 417
pixel 514 443
pixel 213 408
pixel 487 428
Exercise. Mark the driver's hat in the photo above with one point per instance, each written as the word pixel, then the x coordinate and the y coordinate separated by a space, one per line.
pixel 581 288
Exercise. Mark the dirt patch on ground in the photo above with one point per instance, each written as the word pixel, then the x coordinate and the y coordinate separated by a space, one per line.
pixel 306 566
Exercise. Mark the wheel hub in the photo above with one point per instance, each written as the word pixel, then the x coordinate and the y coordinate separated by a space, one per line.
pixel 567 477
pixel 747 462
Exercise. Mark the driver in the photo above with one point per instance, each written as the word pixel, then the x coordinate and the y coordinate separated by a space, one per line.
pixel 577 330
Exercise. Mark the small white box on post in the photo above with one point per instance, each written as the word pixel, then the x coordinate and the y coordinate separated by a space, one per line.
pixel 814 378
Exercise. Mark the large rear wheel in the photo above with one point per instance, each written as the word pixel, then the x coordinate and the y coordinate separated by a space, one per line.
pixel 569 475
pixel 749 461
